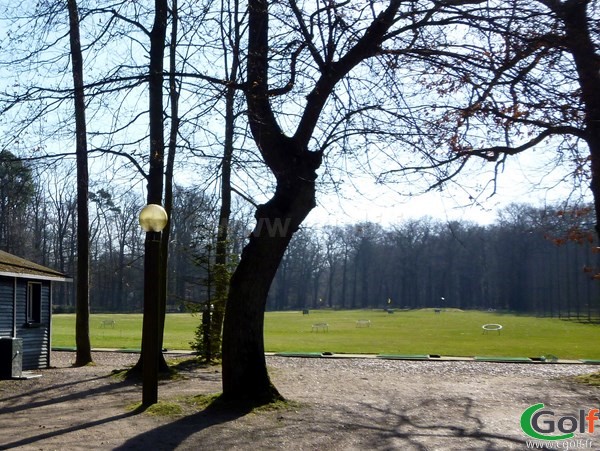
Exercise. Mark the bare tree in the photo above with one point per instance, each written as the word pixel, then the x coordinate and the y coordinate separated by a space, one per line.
pixel 231 35
pixel 82 322
pixel 292 163
pixel 415 82
pixel 526 80
pixel 151 324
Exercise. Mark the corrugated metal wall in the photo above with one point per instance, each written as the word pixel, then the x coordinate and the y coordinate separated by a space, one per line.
pixel 35 339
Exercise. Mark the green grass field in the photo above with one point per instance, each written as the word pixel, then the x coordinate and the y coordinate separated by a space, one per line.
pixel 415 332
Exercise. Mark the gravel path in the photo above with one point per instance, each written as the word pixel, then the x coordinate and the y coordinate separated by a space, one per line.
pixel 340 404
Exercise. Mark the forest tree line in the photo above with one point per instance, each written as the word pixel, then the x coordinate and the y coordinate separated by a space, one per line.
pixel 534 260
pixel 531 260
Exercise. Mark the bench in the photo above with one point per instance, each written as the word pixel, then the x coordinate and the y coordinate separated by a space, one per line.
pixel 491 327
pixel 320 326
pixel 108 323
pixel 363 323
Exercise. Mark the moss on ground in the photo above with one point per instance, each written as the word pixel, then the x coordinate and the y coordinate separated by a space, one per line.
pixel 589 379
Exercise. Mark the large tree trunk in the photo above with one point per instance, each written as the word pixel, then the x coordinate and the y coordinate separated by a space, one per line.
pixel 245 375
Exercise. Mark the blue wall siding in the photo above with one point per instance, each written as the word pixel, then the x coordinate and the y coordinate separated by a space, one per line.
pixel 36 340
pixel 6 306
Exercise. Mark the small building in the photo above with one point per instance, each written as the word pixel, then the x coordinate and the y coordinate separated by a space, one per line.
pixel 25 312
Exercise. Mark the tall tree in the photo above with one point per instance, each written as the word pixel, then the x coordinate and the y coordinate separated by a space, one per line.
pixel 82 321
pixel 339 48
pixel 151 350
pixel 294 166
pixel 231 33
pixel 174 94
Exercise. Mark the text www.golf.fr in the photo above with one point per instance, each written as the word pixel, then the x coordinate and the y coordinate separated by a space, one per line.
pixel 561 444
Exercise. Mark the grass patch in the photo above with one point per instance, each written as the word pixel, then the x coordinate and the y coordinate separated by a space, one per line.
pixel 452 332
pixel 120 374
pixel 212 402
pixel 589 379
pixel 424 332
pixel 126 333
pixel 186 363
pixel 202 402
pixel 160 409
pixel 177 367
pixel 215 402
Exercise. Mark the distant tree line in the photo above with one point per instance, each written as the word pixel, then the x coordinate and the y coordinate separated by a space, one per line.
pixel 531 260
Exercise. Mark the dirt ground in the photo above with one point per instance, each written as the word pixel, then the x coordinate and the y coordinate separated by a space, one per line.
pixel 339 404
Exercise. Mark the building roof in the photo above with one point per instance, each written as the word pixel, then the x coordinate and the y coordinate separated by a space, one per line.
pixel 13 266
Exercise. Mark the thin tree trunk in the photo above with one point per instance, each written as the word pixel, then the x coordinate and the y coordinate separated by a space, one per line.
pixel 172 148
pixel 344 277
pixel 151 320
pixel 330 286
pixel 221 269
pixel 82 321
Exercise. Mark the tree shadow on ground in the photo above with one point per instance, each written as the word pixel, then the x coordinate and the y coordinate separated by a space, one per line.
pixel 74 428
pixel 167 436
pixel 45 389
pixel 52 399
pixel 60 393
pixel 171 435
pixel 362 426
pixel 432 425
pixel 47 400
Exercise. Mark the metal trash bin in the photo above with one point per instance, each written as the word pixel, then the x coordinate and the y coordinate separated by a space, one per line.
pixel 11 357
